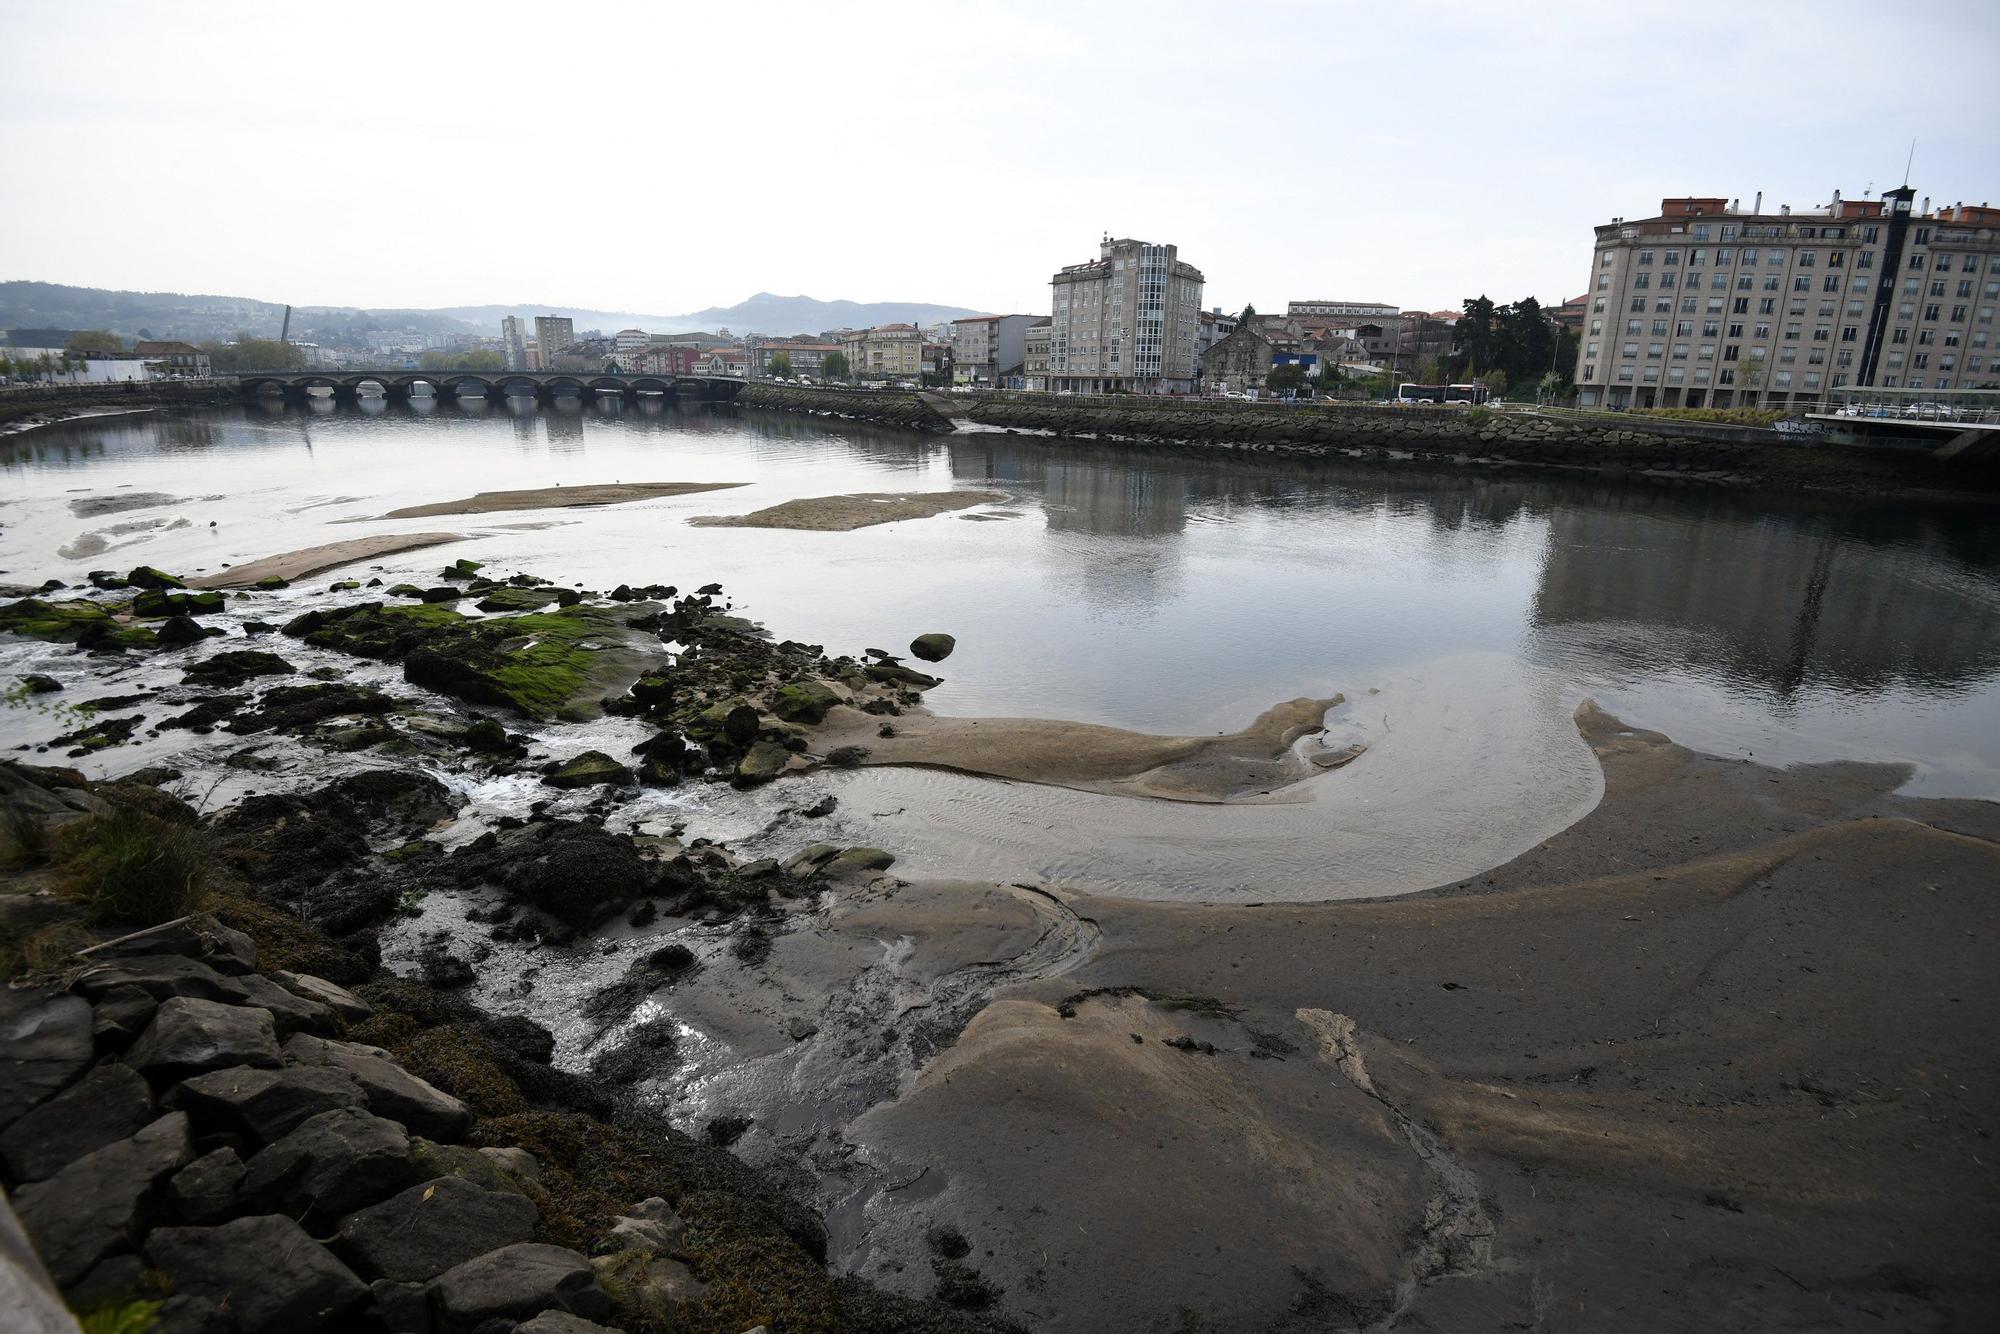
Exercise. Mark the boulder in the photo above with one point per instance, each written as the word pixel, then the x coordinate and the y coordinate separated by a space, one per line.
pixel 145 576
pixel 659 1290
pixel 158 975
pixel 332 1164
pixel 340 1000
pixel 206 1190
pixel 517 1282
pixel 201 936
pixel 858 861
pixel 121 1015
pixel 189 1035
pixel 561 1322
pixel 399 1308
pixel 804 702
pixel 45 1042
pixel 932 647
pixel 291 1012
pixel 429 1228
pixel 233 668
pixel 100 1204
pixel 589 769
pixel 764 762
pixel 390 1090
pixel 652 1225
pixel 269 1104
pixel 433 1160
pixel 109 1104
pixel 265 1271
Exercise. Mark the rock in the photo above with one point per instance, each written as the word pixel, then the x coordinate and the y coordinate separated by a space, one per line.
pixel 340 1000
pixel 764 762
pixel 809 859
pixel 432 1227
pixel 858 861
pixel 160 976
pixel 227 670
pixel 391 1091
pixel 332 1164
pixel 268 1104
pixel 433 1160
pixel 824 806
pixel 517 1282
pixel 109 1104
pixel 588 770
pixel 891 673
pixel 200 937
pixel 186 1314
pixel 487 737
pixel 444 970
pixel 148 577
pixel 206 1190
pixel 291 1012
pixel 520 1165
pixel 111 1282
pixel 932 647
pixel 38 684
pixel 846 757
pixel 399 1308
pixel 45 1042
pixel 652 1225
pixel 180 631
pixel 189 1035
pixel 561 1322
pixel 99 1204
pixel 659 1289
pixel 266 1271
pixel 804 702
pixel 121 1015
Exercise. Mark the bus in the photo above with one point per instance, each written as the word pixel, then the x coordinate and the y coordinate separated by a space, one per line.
pixel 1428 394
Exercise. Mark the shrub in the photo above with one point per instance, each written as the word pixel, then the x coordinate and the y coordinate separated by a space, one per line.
pixel 24 840
pixel 128 866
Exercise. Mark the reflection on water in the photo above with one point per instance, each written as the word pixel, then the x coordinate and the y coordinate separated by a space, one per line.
pixel 1176 590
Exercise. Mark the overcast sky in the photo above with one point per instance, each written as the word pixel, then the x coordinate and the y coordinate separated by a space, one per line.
pixel 664 158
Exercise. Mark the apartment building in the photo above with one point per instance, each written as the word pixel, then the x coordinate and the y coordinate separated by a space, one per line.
pixel 554 335
pixel 885 352
pixel 1126 321
pixel 806 358
pixel 1035 354
pixel 1712 305
pixel 1341 310
pixel 513 346
pixel 989 350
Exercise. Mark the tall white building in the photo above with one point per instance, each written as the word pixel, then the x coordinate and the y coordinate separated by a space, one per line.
pixel 513 347
pixel 554 334
pixel 1125 321
pixel 1713 305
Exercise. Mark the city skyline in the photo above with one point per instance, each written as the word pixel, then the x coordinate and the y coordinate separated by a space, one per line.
pixel 1417 158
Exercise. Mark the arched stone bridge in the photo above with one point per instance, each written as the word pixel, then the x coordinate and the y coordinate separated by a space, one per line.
pixel 543 385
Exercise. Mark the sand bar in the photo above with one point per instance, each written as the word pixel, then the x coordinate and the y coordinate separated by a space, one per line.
pixel 1249 765
pixel 316 560
pixel 840 514
pixel 557 497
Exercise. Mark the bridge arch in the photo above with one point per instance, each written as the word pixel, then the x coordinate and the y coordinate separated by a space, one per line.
pixel 460 386
pixel 650 384
pixel 559 384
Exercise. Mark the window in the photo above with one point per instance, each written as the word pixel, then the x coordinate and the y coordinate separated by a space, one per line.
pixel 1671 258
pixel 1706 352
pixel 1965 287
pixel 1645 257
pixel 1697 258
pixel 1701 231
pixel 1847 333
pixel 1772 282
pixel 1865 260
pixel 1590 349
pixel 1604 259
pixel 1763 331
pixel 1744 284
pixel 1837 260
pixel 1801 283
pixel 1723 258
pixel 1655 350
pixel 1638 303
pixel 1642 281
pixel 1741 306
pixel 1629 350
pixel 1659 327
pixel 1931 312
pixel 1767 306
pixel 1937 287
pixel 1729 231
pixel 1792 332
pixel 1667 279
pixel 1632 327
pixel 1596 327
pixel 1687 305
pixel 1808 259
pixel 1683 329
pixel 1735 331
pixel 1709 328
pixel 1925 337
pixel 1832 283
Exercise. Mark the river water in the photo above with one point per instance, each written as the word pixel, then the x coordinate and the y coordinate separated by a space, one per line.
pixel 1464 615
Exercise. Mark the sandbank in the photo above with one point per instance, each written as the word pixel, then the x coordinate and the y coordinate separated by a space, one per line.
pixel 840 514
pixel 1256 763
pixel 557 497
pixel 317 560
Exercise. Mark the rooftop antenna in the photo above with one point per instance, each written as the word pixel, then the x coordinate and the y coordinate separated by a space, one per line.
pixel 1909 162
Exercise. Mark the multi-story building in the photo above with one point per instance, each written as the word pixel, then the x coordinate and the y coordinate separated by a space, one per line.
pixel 1239 363
pixel 630 340
pixel 661 359
pixel 1711 305
pixel 806 358
pixel 989 350
pixel 554 334
pixel 1035 341
pixel 513 347
pixel 1125 321
pixel 1211 327
pixel 168 358
pixel 885 352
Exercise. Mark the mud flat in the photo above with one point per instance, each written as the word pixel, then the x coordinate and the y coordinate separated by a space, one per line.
pixel 1254 763
pixel 317 560
pixel 840 514
pixel 556 497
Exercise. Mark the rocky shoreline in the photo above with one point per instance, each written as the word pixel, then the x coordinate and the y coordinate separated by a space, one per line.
pixel 1388 436
pixel 1652 1055
pixel 26 409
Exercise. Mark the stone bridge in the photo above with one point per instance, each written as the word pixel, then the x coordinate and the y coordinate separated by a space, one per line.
pixel 543 385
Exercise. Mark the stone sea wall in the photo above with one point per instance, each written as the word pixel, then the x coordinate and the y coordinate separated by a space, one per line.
pixel 54 402
pixel 882 408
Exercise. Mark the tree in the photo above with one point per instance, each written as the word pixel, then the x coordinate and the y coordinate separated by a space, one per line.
pixel 1430 370
pixel 780 367
pixel 95 340
pixel 479 359
pixel 1286 379
pixel 1496 383
pixel 835 366
pixel 1249 314
pixel 1475 334
pixel 254 354
pixel 6 367
pixel 1526 340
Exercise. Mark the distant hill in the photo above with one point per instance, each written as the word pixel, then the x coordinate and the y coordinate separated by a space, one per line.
pixel 197 317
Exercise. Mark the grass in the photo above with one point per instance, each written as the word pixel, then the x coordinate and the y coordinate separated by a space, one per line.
pixel 128 866
pixel 24 840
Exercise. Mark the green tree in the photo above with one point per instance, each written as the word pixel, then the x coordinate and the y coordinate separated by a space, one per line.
pixel 780 367
pixel 1475 335
pixel 95 340
pixel 479 359
pixel 1526 340
pixel 835 366
pixel 6 367
pixel 254 354
pixel 1286 379
pixel 1430 370
pixel 1496 383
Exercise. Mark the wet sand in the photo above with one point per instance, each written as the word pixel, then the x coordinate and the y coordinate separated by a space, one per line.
pixel 840 514
pixel 1717 1057
pixel 317 560
pixel 1255 763
pixel 555 497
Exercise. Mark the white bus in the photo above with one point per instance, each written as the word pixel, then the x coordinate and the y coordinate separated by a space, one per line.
pixel 1427 394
